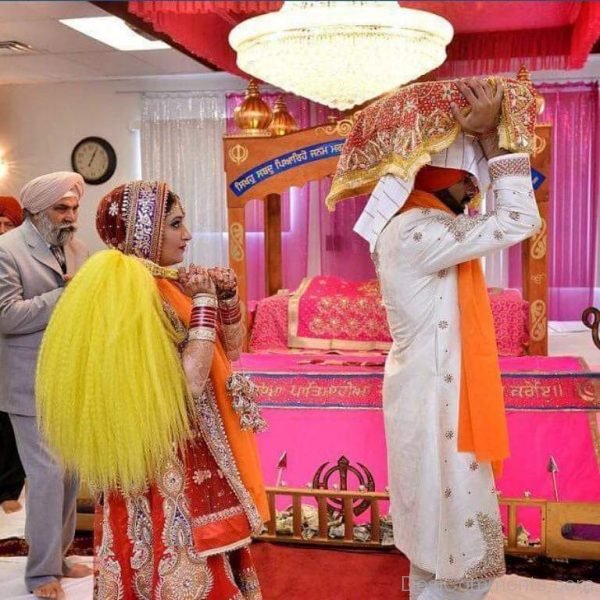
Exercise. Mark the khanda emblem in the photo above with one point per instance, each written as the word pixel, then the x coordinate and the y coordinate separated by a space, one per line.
pixel 238 154
pixel 343 468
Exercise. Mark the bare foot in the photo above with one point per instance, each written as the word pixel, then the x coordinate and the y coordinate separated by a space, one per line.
pixel 50 590
pixel 78 570
pixel 11 506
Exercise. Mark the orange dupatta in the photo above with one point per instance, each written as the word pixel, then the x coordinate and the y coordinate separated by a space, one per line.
pixel 242 443
pixel 482 425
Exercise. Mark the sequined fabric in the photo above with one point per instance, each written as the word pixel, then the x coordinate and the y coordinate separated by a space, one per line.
pixel 131 218
pixel 398 134
pixel 168 544
pixel 511 166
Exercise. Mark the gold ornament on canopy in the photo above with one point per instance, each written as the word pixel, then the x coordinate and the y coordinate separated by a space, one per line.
pixel 253 116
pixel 283 122
pixel 342 53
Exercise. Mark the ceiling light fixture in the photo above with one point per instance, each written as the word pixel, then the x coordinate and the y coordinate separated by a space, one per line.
pixel 114 32
pixel 341 53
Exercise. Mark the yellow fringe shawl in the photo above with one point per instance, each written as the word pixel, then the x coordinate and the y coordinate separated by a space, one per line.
pixel 111 393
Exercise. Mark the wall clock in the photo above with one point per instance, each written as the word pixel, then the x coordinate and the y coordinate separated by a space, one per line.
pixel 94 159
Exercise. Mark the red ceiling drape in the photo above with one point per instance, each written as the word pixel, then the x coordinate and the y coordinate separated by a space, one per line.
pixel 490 36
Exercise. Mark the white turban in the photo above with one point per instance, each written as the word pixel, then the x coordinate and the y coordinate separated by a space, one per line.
pixel 43 192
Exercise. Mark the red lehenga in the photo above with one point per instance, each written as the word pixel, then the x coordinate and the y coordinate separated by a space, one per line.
pixel 186 537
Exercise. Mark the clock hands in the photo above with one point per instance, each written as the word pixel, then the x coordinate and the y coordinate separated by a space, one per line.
pixel 92 159
pixel 95 159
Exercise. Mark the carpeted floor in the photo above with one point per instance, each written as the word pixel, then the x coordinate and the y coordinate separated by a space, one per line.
pixel 317 573
pixel 83 545
pixel 299 573
pixel 293 572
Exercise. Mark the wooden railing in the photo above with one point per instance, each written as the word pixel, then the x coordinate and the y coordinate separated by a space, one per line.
pixel 513 504
pixel 553 516
pixel 347 499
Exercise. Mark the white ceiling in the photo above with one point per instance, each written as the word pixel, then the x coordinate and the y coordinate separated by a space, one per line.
pixel 63 54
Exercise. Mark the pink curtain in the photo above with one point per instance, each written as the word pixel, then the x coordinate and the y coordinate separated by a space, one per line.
pixel 314 241
pixel 574 112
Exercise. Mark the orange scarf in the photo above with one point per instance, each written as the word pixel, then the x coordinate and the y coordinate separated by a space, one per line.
pixel 242 443
pixel 482 421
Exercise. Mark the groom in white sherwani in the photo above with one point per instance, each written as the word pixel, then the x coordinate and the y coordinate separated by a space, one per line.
pixel 442 398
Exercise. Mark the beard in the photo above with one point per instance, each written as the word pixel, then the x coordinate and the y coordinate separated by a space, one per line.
pixel 54 235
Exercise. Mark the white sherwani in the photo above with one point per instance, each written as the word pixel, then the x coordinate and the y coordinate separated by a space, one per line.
pixel 444 506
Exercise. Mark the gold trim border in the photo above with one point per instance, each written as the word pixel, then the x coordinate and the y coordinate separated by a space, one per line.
pixel 355 183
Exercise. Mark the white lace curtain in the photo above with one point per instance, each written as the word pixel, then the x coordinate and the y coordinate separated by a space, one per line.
pixel 181 142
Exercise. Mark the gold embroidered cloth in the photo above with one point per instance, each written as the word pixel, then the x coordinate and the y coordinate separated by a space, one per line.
pixel 398 134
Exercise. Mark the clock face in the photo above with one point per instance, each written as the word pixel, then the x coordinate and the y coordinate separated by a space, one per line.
pixel 94 159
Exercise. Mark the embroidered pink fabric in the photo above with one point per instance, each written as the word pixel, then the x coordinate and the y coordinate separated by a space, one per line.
pixel 269 331
pixel 511 321
pixel 332 307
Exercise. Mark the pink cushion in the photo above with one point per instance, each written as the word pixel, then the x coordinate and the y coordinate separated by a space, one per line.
pixel 511 320
pixel 510 312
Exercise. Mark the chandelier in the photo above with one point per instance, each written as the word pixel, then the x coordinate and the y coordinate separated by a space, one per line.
pixel 341 53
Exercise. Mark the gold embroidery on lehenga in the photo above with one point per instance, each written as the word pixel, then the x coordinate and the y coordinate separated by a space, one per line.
pixel 213 433
pixel 140 534
pixel 182 574
pixel 183 577
pixel 108 583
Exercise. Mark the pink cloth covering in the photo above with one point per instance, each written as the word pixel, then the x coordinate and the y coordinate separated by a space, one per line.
pixel 271 322
pixel 537 429
pixel 354 381
pixel 511 321
pixel 342 314
pixel 269 331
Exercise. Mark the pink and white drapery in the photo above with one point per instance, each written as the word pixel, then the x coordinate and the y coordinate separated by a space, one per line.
pixel 314 241
pixel 574 279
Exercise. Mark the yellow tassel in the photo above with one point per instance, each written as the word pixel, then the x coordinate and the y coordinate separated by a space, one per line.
pixel 111 392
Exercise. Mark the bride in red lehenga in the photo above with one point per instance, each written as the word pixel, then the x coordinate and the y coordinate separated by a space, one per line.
pixel 184 533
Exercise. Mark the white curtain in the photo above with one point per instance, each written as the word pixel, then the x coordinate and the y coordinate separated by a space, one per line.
pixel 182 144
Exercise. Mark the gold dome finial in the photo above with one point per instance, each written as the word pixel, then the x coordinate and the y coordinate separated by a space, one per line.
pixel 253 115
pixel 283 122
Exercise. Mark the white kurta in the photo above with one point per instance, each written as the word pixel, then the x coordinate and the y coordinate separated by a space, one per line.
pixel 444 506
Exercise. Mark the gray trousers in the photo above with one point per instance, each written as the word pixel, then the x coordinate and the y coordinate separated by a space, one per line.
pixel 423 586
pixel 50 505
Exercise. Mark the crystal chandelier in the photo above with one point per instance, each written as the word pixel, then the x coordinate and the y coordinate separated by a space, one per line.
pixel 341 53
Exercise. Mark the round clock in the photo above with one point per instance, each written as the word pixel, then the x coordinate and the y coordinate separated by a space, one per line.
pixel 94 159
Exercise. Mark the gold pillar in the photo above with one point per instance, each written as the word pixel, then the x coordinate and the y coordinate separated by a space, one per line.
pixel 535 251
pixel 273 259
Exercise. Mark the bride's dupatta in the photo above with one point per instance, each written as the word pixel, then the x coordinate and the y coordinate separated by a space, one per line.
pixel 242 443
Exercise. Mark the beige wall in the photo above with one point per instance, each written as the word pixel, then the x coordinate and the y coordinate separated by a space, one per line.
pixel 41 123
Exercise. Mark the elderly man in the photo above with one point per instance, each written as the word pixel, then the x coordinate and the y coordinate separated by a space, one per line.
pixel 12 476
pixel 36 261
pixel 442 396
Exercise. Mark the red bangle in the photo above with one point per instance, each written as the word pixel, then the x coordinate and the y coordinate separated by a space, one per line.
pixel 203 310
pixel 230 314
pixel 202 319
pixel 231 320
